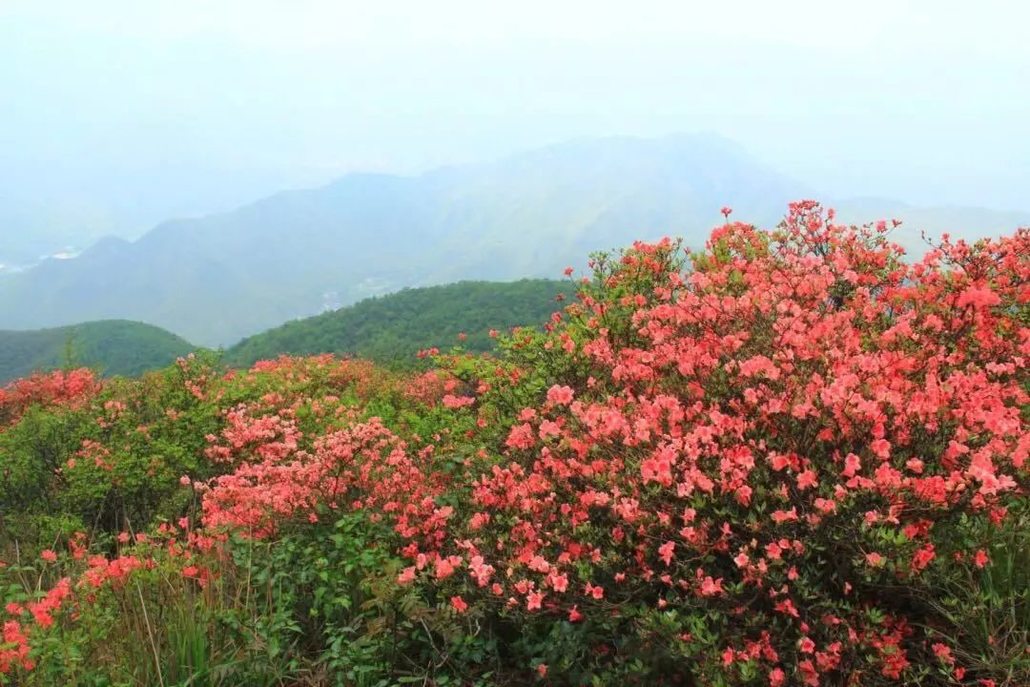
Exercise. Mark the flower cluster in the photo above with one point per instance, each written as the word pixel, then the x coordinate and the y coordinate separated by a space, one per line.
pixel 69 388
pixel 779 430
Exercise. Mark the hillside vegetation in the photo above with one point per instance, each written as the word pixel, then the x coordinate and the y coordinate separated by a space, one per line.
pixel 790 459
pixel 114 347
pixel 392 329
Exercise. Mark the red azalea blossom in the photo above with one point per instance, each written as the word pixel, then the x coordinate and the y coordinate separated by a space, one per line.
pixel 459 604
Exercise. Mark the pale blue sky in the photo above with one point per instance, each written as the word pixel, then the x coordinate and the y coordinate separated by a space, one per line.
pixel 119 113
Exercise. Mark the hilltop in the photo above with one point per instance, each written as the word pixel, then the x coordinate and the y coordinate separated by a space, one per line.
pixel 114 347
pixel 392 329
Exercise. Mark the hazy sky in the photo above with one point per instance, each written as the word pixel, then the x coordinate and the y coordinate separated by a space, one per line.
pixel 119 113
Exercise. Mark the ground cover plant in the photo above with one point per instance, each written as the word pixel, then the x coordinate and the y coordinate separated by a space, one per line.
pixel 790 458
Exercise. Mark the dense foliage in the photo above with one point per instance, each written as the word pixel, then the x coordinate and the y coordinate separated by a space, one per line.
pixel 115 347
pixel 792 458
pixel 393 329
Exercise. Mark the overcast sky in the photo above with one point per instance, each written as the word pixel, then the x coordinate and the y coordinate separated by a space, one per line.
pixel 125 112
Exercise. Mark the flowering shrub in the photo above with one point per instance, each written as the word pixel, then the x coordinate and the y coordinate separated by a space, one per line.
pixel 748 456
pixel 364 466
pixel 755 464
pixel 50 389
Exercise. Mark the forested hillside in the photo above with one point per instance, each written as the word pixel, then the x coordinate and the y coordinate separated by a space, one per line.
pixel 392 329
pixel 114 347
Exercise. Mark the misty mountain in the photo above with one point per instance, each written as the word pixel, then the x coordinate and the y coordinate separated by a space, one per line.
pixel 222 277
pixel 29 234
pixel 219 278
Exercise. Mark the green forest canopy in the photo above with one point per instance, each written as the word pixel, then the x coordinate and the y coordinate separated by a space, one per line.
pixel 392 329
pixel 112 347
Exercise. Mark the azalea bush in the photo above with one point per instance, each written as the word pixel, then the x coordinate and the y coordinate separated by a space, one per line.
pixel 795 457
pixel 760 467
